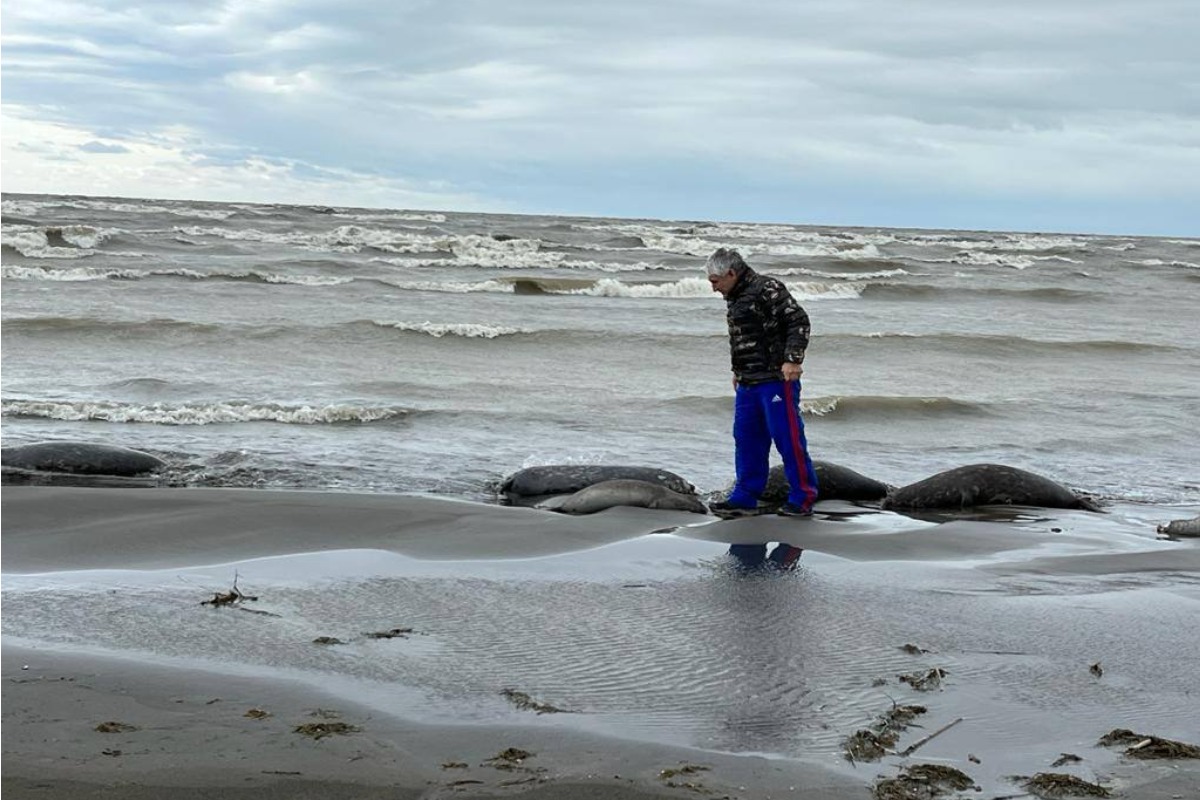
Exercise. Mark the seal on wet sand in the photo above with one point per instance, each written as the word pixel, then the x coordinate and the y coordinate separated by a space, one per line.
pixel 985 485
pixel 80 458
pixel 533 484
pixel 625 492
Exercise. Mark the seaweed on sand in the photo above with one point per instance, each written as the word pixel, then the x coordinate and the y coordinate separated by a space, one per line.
pixel 923 782
pixel 872 744
pixel 527 703
pixel 1146 746
pixel 115 727
pixel 924 681
pixel 391 633
pixel 509 759
pixel 319 730
pixel 231 598
pixel 1054 785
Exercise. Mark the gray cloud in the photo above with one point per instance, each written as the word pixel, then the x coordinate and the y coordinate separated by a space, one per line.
pixel 1057 99
pixel 100 147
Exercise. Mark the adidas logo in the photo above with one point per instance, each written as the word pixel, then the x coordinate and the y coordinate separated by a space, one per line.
pixel 776 399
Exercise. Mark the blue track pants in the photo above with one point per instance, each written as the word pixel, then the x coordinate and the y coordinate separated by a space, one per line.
pixel 764 413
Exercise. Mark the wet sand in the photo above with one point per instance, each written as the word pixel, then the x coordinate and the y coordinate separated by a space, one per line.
pixel 1015 612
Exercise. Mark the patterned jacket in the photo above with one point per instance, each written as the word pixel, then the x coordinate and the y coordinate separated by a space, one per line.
pixel 766 328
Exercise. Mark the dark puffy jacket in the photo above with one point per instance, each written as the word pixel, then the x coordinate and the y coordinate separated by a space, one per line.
pixel 766 328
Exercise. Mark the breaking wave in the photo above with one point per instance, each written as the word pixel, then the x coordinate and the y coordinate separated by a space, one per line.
pixel 840 407
pixel 465 329
pixel 877 406
pixel 202 413
pixel 76 274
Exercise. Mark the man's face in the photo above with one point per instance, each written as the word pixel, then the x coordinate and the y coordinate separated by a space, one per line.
pixel 723 283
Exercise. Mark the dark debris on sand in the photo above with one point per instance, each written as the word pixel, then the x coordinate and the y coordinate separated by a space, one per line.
pixel 526 703
pixel 115 727
pixel 509 759
pixel 1054 785
pixel 391 633
pixel 923 782
pixel 924 681
pixel 872 744
pixel 319 730
pixel 1146 746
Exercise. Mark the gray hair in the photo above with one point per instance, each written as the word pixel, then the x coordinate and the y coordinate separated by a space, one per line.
pixel 723 260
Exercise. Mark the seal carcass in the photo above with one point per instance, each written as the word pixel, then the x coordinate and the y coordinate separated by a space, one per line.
pixel 624 492
pixel 985 485
pixel 80 458
pixel 533 484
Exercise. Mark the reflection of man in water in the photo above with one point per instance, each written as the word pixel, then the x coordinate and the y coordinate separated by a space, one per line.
pixel 768 334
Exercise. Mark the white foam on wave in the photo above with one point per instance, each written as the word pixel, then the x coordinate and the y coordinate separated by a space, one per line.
pixel 100 274
pixel 826 291
pixel 803 247
pixel 24 208
pixel 34 242
pixel 610 287
pixel 1184 242
pixel 858 276
pixel 395 216
pixel 1006 242
pixel 1158 262
pixel 200 414
pixel 454 287
pixel 467 330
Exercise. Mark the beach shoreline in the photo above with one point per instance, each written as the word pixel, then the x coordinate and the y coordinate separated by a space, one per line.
pixel 193 739
pixel 86 563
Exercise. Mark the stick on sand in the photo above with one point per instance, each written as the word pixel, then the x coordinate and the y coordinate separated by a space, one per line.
pixel 920 742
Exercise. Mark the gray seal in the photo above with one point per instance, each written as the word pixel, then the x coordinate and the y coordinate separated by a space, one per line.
pixel 985 485
pixel 625 492
pixel 834 482
pixel 80 458
pixel 530 486
pixel 1181 527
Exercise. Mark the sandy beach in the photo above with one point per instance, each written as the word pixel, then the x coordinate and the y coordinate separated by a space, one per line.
pixel 629 618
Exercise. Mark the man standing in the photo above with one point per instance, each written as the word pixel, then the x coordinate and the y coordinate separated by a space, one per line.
pixel 768 334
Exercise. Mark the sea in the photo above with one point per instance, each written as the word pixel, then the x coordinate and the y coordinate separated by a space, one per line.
pixel 386 350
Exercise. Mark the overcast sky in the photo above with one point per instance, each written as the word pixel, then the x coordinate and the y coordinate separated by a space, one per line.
pixel 1051 115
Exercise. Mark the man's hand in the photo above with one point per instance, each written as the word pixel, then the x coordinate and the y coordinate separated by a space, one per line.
pixel 792 372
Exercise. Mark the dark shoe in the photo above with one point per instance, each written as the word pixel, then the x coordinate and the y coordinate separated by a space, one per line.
pixel 793 510
pixel 726 510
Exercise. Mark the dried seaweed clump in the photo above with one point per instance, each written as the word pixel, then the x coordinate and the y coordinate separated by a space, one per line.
pixel 923 782
pixel 1146 746
pixel 924 681
pixel 319 730
pixel 509 758
pixel 683 769
pixel 1054 785
pixel 115 727
pixel 391 633
pixel 874 743
pixel 527 703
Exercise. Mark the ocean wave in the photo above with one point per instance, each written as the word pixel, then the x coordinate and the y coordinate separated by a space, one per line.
pixel 1005 242
pixel 837 407
pixel 25 208
pixel 202 413
pixel 1158 262
pixel 840 276
pixel 108 326
pixel 999 344
pixel 464 329
pixel 391 216
pixel 876 406
pixel 101 274
pixel 920 291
